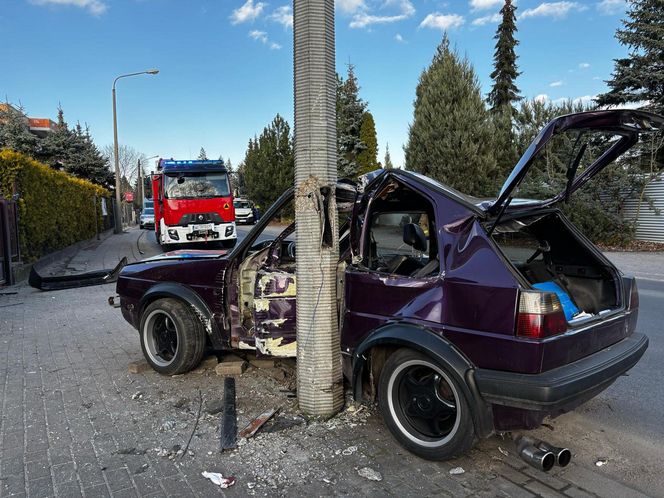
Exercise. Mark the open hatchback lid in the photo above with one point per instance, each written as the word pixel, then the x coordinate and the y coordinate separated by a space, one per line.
pixel 584 143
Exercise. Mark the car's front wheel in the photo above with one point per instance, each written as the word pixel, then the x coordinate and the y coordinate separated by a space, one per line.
pixel 172 336
pixel 424 406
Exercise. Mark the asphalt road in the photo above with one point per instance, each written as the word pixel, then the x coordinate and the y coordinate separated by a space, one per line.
pixel 623 425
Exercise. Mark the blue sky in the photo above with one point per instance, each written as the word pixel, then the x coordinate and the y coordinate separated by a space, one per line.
pixel 226 65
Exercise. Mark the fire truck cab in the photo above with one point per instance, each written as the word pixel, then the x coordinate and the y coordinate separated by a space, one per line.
pixel 193 203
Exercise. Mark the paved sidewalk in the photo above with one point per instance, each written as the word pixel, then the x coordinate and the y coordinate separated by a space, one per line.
pixel 75 422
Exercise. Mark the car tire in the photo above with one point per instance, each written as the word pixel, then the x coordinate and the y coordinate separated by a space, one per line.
pixel 418 397
pixel 172 336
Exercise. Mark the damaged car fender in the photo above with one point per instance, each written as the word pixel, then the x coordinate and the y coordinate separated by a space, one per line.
pixel 418 338
pixel 189 296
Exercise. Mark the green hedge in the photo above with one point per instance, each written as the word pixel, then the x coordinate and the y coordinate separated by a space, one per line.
pixel 55 209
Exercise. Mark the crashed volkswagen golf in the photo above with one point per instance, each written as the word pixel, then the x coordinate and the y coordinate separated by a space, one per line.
pixel 462 316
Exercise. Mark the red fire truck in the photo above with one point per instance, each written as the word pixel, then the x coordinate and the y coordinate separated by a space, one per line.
pixel 193 203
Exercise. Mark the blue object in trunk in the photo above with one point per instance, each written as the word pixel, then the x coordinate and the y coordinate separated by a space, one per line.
pixel 568 305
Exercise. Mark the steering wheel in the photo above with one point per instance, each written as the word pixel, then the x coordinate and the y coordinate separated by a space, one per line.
pixel 290 250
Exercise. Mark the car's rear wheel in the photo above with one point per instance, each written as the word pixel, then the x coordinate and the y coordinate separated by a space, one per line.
pixel 424 407
pixel 172 336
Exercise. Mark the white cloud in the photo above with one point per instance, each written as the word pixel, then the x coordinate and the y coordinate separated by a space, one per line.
pixel 612 7
pixel 597 78
pixel 484 4
pixel 586 99
pixel 399 38
pixel 584 65
pixel 554 84
pixel 257 35
pixel 442 21
pixel 492 19
pixel 364 19
pixel 275 46
pixel 557 10
pixel 350 6
pixel 283 15
pixel 542 97
pixel 95 7
pixel 248 12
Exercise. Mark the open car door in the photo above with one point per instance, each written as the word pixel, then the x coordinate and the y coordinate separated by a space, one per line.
pixel 274 299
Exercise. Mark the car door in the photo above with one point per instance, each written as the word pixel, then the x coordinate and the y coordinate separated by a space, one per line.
pixel 392 277
pixel 274 300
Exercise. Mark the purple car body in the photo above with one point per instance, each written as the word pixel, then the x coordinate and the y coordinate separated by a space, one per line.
pixel 449 302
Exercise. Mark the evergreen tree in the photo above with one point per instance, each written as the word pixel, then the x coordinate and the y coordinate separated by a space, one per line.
pixel 450 138
pixel 269 164
pixel 350 111
pixel 388 160
pixel 14 131
pixel 367 160
pixel 504 91
pixel 202 155
pixel 640 76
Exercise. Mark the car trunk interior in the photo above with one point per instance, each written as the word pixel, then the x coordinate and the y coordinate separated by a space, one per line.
pixel 545 249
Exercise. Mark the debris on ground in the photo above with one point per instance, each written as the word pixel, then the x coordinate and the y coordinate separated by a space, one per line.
pixel 219 480
pixel 349 451
pixel 504 452
pixel 601 461
pixel 176 450
pixel 228 418
pixel 167 425
pixel 370 474
pixel 137 395
pixel 141 469
pixel 254 426
pixel 457 471
pixel 131 451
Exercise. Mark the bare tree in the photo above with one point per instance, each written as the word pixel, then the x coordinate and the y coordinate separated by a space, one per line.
pixel 128 160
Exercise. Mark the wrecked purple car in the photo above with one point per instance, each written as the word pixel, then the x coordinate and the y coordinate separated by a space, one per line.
pixel 462 316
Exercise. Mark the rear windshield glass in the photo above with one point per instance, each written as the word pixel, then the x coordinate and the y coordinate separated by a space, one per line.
pixel 242 204
pixel 148 211
pixel 567 155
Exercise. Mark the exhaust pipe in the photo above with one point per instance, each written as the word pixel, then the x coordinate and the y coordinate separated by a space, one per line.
pixel 563 455
pixel 536 457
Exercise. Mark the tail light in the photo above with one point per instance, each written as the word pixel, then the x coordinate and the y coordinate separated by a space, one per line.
pixel 634 296
pixel 540 315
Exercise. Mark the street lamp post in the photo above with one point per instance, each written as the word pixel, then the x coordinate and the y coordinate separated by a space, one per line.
pixel 118 194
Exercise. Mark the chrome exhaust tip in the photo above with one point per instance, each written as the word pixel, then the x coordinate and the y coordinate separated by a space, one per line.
pixel 535 457
pixel 563 455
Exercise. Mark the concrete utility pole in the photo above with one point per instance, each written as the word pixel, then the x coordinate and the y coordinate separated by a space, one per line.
pixel 319 378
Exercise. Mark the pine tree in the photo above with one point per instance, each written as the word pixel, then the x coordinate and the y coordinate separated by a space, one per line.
pixel 350 110
pixel 75 152
pixel 367 160
pixel 388 160
pixel 269 163
pixel 504 92
pixel 450 138
pixel 14 131
pixel 640 76
pixel 202 155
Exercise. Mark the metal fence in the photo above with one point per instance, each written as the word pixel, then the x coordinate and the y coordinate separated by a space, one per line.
pixel 649 218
